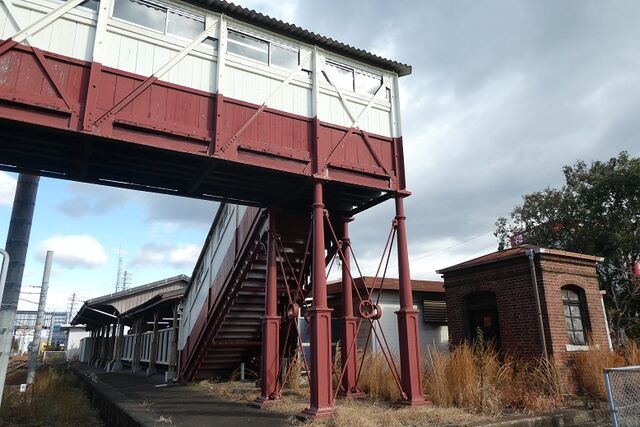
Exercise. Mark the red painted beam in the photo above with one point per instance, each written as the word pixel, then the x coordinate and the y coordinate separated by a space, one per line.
pixel 408 326
pixel 321 397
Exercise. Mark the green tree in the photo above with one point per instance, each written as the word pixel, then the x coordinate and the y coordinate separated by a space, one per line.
pixel 596 212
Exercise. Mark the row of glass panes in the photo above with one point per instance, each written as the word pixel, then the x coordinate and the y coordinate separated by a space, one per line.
pixel 263 51
pixel 176 22
pixel 164 19
pixel 352 79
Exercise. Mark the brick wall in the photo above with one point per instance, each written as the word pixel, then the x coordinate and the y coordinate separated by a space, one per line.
pixel 556 273
pixel 510 280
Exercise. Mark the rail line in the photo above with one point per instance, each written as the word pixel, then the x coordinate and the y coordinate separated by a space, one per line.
pixel 14 366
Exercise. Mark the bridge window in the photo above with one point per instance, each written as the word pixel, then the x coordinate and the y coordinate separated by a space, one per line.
pixel 161 18
pixel 248 46
pixel 367 82
pixel 284 56
pixel 142 13
pixel 352 79
pixel 261 50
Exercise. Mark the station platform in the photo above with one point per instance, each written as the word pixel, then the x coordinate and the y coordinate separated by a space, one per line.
pixel 135 400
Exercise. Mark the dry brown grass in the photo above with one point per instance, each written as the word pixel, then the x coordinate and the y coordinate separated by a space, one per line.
pixel 530 385
pixel 363 413
pixel 475 378
pixel 373 414
pixel 377 379
pixel 590 365
pixel 56 398
pixel 631 353
pixel 231 390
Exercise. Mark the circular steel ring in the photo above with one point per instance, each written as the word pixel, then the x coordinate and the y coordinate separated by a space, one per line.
pixel 293 311
pixel 377 312
pixel 366 309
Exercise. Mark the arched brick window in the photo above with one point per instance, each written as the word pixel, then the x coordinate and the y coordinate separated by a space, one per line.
pixel 575 315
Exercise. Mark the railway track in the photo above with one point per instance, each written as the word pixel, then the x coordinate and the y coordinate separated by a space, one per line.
pixel 14 366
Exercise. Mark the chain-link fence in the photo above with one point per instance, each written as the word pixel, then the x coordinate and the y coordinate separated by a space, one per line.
pixel 623 393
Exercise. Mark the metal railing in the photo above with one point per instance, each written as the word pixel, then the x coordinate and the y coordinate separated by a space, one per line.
pixel 623 394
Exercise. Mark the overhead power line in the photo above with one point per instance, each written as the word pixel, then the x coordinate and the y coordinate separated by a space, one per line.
pixel 452 246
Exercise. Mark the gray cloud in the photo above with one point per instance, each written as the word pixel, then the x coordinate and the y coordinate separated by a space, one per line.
pixel 88 199
pixel 502 95
pixel 182 256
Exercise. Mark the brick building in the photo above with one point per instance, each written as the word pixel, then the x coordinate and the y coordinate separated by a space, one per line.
pixel 495 294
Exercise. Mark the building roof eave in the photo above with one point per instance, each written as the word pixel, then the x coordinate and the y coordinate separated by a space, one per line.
pixel 293 31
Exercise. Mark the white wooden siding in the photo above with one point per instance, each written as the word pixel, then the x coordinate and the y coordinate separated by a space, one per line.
pixel 140 51
pixel 71 35
pixel 376 120
pixel 214 253
pixel 254 83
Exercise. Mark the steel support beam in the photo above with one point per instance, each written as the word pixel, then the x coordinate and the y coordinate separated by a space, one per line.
pixel 270 369
pixel 348 339
pixel 170 375
pixel 153 351
pixel 117 358
pixel 409 341
pixel 137 347
pixel 321 399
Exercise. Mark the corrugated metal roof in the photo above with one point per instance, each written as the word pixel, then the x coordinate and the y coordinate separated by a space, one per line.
pixel 295 32
pixel 515 252
pixel 390 284
pixel 107 299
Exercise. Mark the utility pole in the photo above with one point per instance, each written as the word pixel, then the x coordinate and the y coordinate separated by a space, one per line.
pixel 24 203
pixel 72 305
pixel 35 344
pixel 126 281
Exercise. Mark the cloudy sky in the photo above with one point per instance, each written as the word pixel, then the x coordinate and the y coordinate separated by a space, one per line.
pixel 502 95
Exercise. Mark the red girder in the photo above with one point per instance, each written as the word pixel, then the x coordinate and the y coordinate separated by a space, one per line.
pixel 101 102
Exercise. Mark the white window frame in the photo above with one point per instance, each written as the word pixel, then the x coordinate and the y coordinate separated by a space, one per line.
pixel 269 42
pixel 167 7
pixel 354 70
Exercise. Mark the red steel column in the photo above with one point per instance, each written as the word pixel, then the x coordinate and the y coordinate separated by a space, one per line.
pixel 321 404
pixel 409 342
pixel 270 384
pixel 349 346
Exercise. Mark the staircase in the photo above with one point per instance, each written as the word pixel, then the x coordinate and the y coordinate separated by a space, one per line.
pixel 233 330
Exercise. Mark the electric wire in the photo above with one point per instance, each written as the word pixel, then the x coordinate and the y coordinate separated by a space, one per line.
pixel 452 246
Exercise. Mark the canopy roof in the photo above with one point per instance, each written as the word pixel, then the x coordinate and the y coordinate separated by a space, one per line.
pixel 105 310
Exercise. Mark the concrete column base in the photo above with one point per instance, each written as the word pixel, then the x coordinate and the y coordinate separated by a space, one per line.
pixel 135 369
pixel 151 371
pixel 410 365
pixel 109 365
pixel 169 376
pixel 117 366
